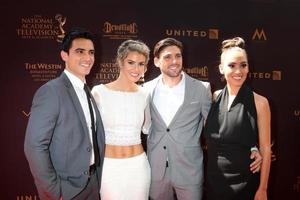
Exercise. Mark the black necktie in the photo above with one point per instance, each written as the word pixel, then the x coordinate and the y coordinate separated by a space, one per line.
pixel 94 136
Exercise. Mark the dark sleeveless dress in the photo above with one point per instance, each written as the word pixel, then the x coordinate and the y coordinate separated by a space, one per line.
pixel 229 135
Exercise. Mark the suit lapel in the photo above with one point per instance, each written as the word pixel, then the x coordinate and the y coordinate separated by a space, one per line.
pixel 187 97
pixel 75 100
pixel 152 105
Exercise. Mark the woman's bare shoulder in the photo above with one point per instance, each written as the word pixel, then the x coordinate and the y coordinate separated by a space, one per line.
pixel 261 102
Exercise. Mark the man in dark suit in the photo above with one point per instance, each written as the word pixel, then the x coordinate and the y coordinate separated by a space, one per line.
pixel 64 142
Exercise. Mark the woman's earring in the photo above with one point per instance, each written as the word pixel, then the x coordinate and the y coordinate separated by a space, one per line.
pixel 141 80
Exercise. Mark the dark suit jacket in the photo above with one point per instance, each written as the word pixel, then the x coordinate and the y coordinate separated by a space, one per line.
pixel 57 143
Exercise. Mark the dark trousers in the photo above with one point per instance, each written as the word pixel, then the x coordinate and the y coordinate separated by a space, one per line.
pixel 91 191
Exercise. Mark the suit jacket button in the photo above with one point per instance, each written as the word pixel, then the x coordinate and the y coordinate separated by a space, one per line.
pixel 168 129
pixel 88 149
pixel 86 173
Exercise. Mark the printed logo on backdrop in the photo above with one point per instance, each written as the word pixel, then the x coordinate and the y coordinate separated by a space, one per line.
pixel 109 71
pixel 41 27
pixel 27 197
pixel 200 73
pixel 43 72
pixel 26 114
pixel 275 75
pixel 120 31
pixel 259 34
pixel 296 185
pixel 210 33
pixel 61 22
pixel 273 155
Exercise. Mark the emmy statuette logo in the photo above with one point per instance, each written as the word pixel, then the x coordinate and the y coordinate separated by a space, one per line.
pixel 61 22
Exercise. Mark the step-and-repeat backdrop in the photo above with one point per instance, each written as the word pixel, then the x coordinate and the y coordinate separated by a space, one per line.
pixel 31 33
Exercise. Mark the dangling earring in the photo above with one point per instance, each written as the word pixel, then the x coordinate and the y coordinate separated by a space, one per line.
pixel 141 81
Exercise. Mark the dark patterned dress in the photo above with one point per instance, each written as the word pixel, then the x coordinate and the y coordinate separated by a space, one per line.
pixel 229 135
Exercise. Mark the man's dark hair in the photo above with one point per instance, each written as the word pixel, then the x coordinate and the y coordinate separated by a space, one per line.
pixel 161 45
pixel 75 33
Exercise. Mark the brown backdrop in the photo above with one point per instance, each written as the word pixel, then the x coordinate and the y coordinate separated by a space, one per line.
pixel 31 32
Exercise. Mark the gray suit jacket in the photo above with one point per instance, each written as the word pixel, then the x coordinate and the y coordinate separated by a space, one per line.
pixel 57 143
pixel 180 141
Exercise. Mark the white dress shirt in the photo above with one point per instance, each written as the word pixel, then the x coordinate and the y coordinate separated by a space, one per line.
pixel 78 87
pixel 168 100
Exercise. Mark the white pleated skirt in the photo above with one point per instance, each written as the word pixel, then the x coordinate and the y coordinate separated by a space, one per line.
pixel 126 178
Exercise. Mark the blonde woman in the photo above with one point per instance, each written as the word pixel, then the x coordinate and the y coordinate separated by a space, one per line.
pixel 125 113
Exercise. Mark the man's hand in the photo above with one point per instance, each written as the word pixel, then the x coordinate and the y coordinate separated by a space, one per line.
pixel 256 164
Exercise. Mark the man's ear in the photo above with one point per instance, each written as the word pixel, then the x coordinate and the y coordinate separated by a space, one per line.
pixel 156 62
pixel 221 69
pixel 64 55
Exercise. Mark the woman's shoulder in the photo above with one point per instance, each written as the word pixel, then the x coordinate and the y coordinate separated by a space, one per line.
pixel 98 87
pixel 142 89
pixel 261 102
pixel 143 92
